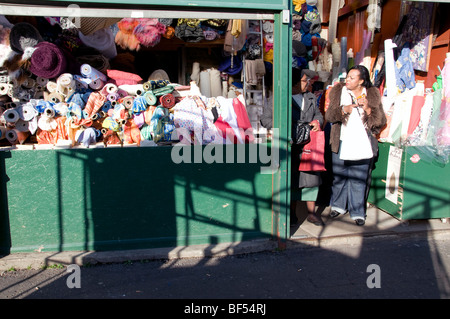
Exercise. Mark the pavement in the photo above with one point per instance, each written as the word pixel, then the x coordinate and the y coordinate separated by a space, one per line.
pixel 342 230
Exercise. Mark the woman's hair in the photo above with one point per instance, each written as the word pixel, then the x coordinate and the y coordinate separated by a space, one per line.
pixel 363 74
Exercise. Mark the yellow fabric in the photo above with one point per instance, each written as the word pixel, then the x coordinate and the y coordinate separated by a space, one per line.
pixel 236 28
pixel 298 4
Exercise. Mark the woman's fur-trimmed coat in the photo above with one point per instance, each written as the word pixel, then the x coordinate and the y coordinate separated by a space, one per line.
pixel 374 122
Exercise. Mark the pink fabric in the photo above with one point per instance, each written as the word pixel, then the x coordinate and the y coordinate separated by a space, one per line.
pixel 122 77
pixel 243 121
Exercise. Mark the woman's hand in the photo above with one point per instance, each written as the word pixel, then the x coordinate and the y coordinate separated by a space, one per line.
pixel 315 125
pixel 347 109
pixel 364 104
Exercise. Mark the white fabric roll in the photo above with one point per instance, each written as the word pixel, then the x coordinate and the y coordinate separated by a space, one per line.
pixel 195 76
pixel 391 83
pixel 216 82
pixel 205 83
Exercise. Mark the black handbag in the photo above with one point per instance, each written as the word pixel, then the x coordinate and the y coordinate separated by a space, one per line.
pixel 302 133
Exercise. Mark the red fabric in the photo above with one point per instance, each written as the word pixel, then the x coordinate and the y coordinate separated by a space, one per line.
pixel 121 77
pixel 313 159
pixel 416 108
pixel 243 121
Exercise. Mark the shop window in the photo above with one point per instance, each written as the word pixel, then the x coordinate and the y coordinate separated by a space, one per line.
pixel 103 82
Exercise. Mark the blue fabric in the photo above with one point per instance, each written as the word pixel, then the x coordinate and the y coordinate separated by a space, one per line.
pixel 348 191
pixel 404 70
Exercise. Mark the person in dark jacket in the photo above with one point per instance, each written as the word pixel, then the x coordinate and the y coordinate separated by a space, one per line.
pixel 351 178
pixel 304 185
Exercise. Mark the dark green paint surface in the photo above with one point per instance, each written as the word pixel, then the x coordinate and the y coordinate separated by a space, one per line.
pixel 127 198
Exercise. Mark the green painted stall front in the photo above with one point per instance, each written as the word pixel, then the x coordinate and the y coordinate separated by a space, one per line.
pixel 128 198
pixel 138 197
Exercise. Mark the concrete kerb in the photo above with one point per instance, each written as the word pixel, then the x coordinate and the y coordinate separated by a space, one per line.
pixel 37 260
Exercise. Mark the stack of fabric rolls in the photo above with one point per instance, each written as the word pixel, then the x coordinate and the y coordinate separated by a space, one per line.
pixel 56 89
pixel 48 97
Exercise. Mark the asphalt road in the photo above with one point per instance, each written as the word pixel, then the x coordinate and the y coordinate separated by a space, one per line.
pixel 405 268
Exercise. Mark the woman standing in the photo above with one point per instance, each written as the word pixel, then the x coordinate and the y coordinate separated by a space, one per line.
pixel 305 185
pixel 350 177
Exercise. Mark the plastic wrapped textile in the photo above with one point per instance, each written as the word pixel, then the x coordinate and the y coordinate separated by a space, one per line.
pixel 88 136
pixel 139 105
pixel 131 133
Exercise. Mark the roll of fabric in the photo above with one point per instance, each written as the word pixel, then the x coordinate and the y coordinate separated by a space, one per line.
pixel 49 112
pixel 41 81
pixel 139 105
pixel 65 84
pixel 94 103
pixel 96 84
pixel 11 116
pixel 91 73
pixel 109 88
pixel 51 86
pixel 216 82
pixel 131 133
pixel 112 97
pixel 26 112
pixel 55 97
pixel 134 90
pixel 110 124
pixel 167 101
pixel 14 136
pixel 22 126
pixel 150 98
pixel 344 60
pixel 102 40
pixel 205 83
pixel 390 77
pixel 24 35
pixel 128 102
pixel 4 88
pixel 48 61
pixel 195 75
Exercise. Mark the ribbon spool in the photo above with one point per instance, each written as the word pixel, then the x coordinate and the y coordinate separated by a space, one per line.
pixel 11 116
pixel 150 98
pixel 167 100
pixel 128 102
